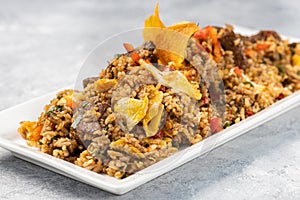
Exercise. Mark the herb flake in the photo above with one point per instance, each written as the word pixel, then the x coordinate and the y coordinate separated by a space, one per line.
pixel 249 83
pixel 52 111
pixel 280 69
pixel 226 124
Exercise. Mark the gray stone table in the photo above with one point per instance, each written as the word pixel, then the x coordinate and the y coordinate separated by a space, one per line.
pixel 43 43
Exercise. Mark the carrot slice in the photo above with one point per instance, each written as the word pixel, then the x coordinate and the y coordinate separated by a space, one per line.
pixel 262 47
pixel 128 47
pixel 238 71
pixel 202 34
pixel 135 57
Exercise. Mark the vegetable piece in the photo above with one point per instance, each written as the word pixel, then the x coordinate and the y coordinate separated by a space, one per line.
pixel 30 131
pixel 280 69
pixel 249 82
pixel 71 103
pixel 249 53
pixel 211 32
pixel 238 71
pixel 296 60
pixel 131 110
pixel 54 109
pixel 280 96
pixel 226 124
pixel 205 100
pixel 217 52
pixel 216 125
pixel 258 87
pixel 249 112
pixel 262 46
pixel 128 47
pixel 135 57
pixel 173 79
pixel 36 134
pixel 160 134
pixel 201 34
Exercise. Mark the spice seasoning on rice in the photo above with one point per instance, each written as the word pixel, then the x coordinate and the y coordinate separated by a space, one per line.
pixel 149 103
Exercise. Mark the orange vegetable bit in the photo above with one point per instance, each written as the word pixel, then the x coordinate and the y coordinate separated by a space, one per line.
pixel 202 34
pixel 70 103
pixel 238 71
pixel 135 57
pixel 216 125
pixel 262 46
pixel 249 53
pixel 128 47
pixel 36 134
pixel 249 112
pixel 212 33
pixel 217 52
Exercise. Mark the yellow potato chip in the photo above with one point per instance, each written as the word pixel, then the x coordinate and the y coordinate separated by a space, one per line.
pixel 154 20
pixel 134 110
pixel 170 41
pixel 187 28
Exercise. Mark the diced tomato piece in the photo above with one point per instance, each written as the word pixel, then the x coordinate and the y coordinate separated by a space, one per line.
pixel 159 134
pixel 262 47
pixel 238 71
pixel 202 34
pixel 205 100
pixel 280 96
pixel 249 112
pixel 135 57
pixel 128 47
pixel 215 125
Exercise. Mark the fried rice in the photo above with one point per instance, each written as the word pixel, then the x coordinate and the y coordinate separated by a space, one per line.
pixel 125 119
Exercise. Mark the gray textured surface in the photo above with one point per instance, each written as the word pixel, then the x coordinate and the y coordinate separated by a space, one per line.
pixel 42 44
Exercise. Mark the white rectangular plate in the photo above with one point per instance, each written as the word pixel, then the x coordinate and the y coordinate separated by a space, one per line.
pixel 12 141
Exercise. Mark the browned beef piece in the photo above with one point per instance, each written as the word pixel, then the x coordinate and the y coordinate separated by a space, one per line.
pixel 293 47
pixel 227 42
pixel 263 35
pixel 88 127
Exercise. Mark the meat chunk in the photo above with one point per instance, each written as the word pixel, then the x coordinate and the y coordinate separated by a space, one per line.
pixel 264 35
pixel 88 127
pixel 227 42
pixel 149 45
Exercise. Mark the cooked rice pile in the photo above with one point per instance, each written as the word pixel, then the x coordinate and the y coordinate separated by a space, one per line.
pixel 91 128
